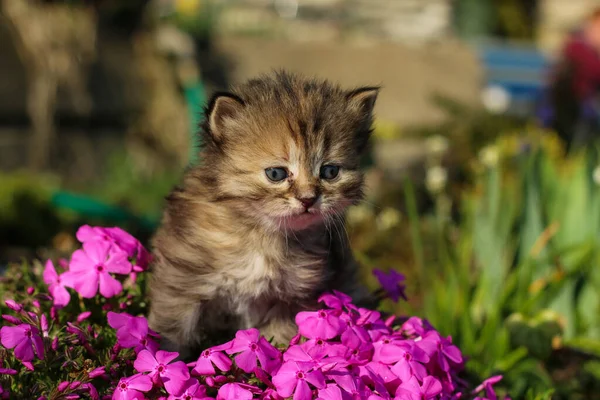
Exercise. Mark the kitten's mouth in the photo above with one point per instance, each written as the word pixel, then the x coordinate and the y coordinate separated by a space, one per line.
pixel 301 220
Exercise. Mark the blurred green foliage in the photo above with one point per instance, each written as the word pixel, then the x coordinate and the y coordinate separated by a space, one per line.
pixel 514 278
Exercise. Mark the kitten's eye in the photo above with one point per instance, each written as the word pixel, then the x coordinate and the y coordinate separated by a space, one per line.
pixel 276 174
pixel 329 172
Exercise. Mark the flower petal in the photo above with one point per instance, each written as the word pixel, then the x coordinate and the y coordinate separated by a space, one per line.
pixel 109 286
pixel 303 392
pixel 140 382
pixel 24 350
pixel 11 336
pixel 246 361
pixel 165 357
pixel 50 276
pixel 145 361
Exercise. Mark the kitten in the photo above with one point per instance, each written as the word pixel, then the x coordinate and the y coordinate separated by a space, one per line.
pixel 255 233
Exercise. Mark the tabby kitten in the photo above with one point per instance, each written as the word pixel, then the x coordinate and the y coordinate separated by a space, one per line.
pixel 254 234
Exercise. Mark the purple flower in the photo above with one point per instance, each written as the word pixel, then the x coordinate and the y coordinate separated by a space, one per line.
pixel 91 267
pixel 56 286
pixel 440 349
pixel 234 391
pixel 83 316
pixel 13 305
pixel 392 283
pixel 204 365
pixel 23 338
pixel 11 319
pixel 293 378
pixel 412 390
pixel 8 371
pixel 487 385
pixel 97 372
pixel 132 332
pixel 337 300
pixel 251 346
pixel 131 388
pixel 173 375
pixel 119 241
pixel 192 390
pixel 319 324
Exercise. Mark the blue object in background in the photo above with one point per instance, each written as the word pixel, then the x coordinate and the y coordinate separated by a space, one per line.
pixel 516 74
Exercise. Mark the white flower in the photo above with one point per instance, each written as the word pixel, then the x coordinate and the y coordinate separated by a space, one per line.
pixel 437 145
pixel 489 156
pixel 387 219
pixel 596 175
pixel 358 214
pixel 435 179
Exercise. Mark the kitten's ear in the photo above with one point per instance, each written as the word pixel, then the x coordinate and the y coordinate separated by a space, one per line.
pixel 223 106
pixel 363 99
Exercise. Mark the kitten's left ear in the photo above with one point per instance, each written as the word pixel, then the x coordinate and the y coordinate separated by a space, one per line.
pixel 363 99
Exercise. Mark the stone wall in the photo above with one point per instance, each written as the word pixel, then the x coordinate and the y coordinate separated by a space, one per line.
pixel 412 21
pixel 557 17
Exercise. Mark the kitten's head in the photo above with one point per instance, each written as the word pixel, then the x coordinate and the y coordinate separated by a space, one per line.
pixel 286 150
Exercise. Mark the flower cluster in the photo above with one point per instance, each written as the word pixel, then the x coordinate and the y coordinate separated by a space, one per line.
pixel 100 346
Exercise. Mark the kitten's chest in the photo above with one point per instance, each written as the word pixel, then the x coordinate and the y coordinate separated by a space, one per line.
pixel 260 274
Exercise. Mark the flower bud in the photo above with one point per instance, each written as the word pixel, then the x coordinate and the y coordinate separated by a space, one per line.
pixel 13 305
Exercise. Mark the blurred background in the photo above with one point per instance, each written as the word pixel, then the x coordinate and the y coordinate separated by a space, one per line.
pixel 483 177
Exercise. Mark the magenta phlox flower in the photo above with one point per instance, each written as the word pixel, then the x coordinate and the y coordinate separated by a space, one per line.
pixel 412 390
pixel 293 378
pixel 132 332
pixel 353 336
pixel 91 267
pixel 212 356
pixel 252 346
pixel 441 349
pixel 131 388
pixel 337 301
pixel 332 392
pixel 192 390
pixel 119 240
pixel 372 322
pixel 317 357
pixel 234 391
pixel 23 338
pixel 353 387
pixel 382 371
pixel 415 326
pixel 392 282
pixel 411 360
pixel 324 324
pixel 161 368
pixel 487 386
pixel 56 286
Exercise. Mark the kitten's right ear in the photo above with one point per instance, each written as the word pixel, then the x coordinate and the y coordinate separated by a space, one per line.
pixel 222 107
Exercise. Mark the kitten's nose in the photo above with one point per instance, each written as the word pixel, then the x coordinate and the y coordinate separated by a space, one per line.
pixel 308 202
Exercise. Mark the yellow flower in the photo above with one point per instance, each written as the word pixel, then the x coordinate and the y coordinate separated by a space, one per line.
pixel 187 7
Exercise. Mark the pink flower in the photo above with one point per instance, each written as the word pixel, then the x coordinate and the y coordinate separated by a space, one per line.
pixel 173 375
pixel 91 268
pixel 392 283
pixel 441 349
pixel 337 300
pixel 192 390
pixel 204 365
pixel 233 391
pixel 412 390
pixel 410 361
pixel 13 305
pixel 293 378
pixel 251 346
pixel 97 372
pixel 131 388
pixel 118 239
pixel 132 331
pixel 56 286
pixel 23 338
pixel 487 385
pixel 319 324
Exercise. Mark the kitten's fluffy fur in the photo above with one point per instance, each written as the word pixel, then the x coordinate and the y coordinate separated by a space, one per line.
pixel 236 250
